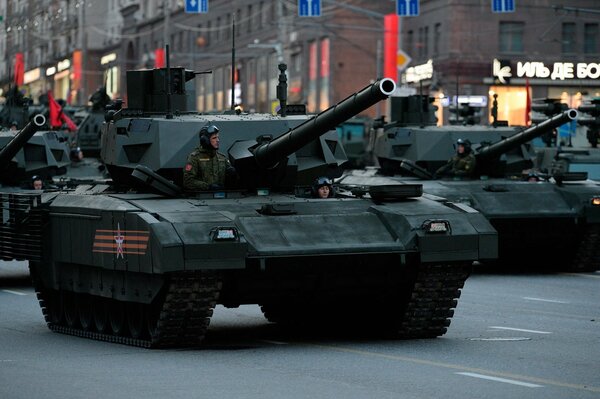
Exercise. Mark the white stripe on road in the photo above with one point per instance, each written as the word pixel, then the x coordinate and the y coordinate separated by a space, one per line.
pixel 498 379
pixel 14 292
pixel 543 300
pixel 520 329
pixel 501 339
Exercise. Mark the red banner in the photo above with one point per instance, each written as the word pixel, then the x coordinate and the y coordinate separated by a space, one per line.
pixel 76 70
pixel 159 58
pixel 390 46
pixel 19 69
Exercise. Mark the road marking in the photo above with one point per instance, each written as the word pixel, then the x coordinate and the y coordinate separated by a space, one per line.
pixel 520 329
pixel 543 300
pixel 514 382
pixel 501 339
pixel 14 292
pixel 581 387
pixel 568 315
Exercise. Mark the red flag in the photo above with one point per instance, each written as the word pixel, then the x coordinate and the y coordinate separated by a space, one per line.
pixel 527 104
pixel 19 69
pixel 57 116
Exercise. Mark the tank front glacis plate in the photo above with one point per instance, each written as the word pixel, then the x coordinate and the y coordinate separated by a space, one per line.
pixel 163 235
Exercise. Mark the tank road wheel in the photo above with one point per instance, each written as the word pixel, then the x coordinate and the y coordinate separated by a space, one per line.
pixel 70 308
pixel 86 317
pixel 55 307
pixel 116 317
pixel 135 319
pixel 100 313
pixel 152 316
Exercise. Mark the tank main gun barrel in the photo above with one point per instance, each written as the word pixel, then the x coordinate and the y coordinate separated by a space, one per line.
pixel 503 146
pixel 283 146
pixel 12 148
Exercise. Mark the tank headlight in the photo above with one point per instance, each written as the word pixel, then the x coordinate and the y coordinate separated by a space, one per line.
pixel 596 201
pixel 436 226
pixel 224 234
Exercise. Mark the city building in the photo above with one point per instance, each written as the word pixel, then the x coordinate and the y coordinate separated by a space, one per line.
pixel 56 45
pixel 327 57
pixel 464 48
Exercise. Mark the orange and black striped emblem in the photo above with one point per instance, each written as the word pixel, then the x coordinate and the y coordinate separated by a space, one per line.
pixel 121 242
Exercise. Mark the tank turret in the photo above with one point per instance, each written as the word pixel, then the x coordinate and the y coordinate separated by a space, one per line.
pixel 19 140
pixel 251 157
pixel 267 150
pixel 488 156
pixel 430 147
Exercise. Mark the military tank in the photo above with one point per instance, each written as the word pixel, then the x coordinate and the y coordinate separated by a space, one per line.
pixel 530 210
pixel 574 158
pixel 31 151
pixel 142 263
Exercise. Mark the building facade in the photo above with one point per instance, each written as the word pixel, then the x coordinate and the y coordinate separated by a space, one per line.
pixel 59 44
pixel 327 57
pixel 461 47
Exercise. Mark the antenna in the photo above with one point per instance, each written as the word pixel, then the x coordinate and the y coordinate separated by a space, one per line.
pixel 233 62
pixel 168 83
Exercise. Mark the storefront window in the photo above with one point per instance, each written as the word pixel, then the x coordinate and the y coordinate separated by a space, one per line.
pixel 512 104
pixel 573 97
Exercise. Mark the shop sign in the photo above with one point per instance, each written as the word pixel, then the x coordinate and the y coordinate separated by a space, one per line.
pixel 62 65
pixel 32 75
pixel 419 72
pixel 108 58
pixel 554 71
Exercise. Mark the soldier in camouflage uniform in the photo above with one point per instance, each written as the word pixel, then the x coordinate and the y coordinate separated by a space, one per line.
pixel 206 168
pixel 461 164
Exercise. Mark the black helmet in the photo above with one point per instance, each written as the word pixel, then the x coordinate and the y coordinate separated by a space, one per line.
pixel 75 153
pixel 205 133
pixel 465 143
pixel 320 182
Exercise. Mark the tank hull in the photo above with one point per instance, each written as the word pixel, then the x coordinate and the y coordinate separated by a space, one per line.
pixel 530 217
pixel 148 271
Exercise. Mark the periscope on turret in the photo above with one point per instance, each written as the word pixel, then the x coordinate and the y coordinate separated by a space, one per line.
pixel 145 264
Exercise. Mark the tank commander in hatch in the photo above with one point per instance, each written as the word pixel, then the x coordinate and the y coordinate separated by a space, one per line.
pixel 322 188
pixel 462 164
pixel 206 168
pixel 37 183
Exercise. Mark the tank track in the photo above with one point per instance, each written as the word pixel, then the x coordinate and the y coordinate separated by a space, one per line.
pixel 431 306
pixel 431 294
pixel 182 317
pixel 587 257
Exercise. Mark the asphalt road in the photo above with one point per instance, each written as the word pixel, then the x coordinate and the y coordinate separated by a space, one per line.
pixel 512 336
